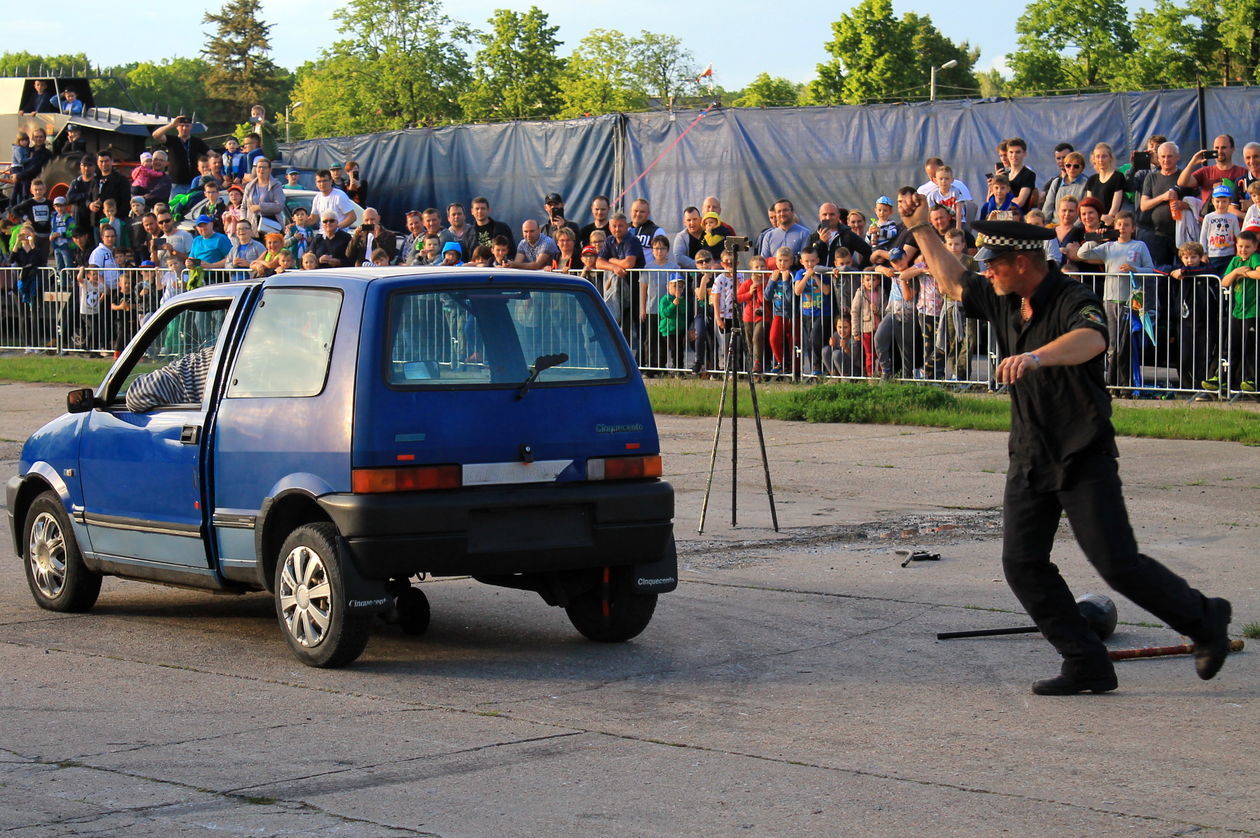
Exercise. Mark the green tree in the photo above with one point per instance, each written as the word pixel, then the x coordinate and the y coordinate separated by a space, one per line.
pixel 1179 44
pixel 875 56
pixel 518 73
pixel 404 67
pixel 663 67
pixel 169 87
pixel 766 91
pixel 1241 39
pixel 1070 45
pixel 992 84
pixel 241 72
pixel 600 77
pixel 30 63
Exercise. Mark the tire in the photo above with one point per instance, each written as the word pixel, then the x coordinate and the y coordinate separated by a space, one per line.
pixel 627 613
pixel 413 611
pixel 310 597
pixel 58 578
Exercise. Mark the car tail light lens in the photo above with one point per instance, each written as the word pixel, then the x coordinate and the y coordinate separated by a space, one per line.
pixel 623 468
pixel 409 479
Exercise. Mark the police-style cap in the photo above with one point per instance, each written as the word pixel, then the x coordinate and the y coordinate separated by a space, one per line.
pixel 1009 237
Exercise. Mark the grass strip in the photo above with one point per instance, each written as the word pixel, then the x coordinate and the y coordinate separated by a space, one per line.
pixel 925 405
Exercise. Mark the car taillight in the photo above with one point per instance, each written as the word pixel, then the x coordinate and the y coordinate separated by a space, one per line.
pixel 623 468
pixel 410 479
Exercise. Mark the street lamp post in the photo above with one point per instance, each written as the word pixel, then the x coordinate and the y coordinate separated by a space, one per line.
pixel 292 105
pixel 948 65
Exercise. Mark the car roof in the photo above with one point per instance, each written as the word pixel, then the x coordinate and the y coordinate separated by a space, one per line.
pixel 405 275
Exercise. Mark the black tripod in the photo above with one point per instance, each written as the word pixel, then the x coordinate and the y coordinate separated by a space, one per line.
pixel 737 357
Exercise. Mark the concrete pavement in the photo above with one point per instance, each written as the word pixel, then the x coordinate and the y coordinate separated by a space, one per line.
pixel 793 684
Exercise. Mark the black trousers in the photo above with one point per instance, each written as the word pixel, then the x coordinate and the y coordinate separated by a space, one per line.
pixel 1091 496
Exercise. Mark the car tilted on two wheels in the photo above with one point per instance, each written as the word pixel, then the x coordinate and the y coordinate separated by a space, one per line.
pixel 355 429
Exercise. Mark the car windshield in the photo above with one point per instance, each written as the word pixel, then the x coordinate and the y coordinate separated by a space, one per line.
pixel 497 336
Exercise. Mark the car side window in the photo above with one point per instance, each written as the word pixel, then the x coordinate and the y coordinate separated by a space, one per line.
pixel 180 333
pixel 288 344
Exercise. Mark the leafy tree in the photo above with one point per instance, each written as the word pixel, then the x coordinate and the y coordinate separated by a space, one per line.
pixel 518 72
pixel 992 84
pixel 1070 45
pixel 405 66
pixel 169 87
pixel 241 72
pixel 876 56
pixel 1179 44
pixel 664 69
pixel 600 76
pixel 768 92
pixel 28 63
pixel 1241 38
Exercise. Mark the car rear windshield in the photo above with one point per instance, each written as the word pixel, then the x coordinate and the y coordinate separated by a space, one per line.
pixel 500 337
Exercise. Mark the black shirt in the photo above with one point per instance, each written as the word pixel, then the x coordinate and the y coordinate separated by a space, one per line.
pixel 183 156
pixel 1026 177
pixel 1057 413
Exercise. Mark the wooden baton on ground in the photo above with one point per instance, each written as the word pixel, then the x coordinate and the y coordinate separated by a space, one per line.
pixel 1163 651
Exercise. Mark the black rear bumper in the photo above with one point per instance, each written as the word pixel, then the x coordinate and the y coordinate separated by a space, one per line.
pixel 489 530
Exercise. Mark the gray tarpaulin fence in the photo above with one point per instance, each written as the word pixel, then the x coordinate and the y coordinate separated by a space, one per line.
pixel 749 157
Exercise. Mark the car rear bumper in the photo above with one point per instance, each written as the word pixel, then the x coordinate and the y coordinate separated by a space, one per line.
pixel 490 530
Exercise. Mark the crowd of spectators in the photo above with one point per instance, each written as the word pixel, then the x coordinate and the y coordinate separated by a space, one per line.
pixel 845 295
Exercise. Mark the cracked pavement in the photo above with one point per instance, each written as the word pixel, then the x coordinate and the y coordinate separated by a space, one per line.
pixel 793 684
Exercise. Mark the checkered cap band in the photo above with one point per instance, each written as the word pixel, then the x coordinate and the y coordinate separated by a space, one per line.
pixel 1013 243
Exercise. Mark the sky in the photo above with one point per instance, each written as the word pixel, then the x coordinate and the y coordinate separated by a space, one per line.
pixel 740 39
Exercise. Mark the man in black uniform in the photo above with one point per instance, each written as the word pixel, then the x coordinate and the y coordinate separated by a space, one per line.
pixel 1051 334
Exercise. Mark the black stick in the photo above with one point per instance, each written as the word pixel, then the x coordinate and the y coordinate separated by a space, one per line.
pixel 950 635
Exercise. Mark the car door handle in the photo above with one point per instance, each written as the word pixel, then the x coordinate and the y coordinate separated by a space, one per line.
pixel 190 435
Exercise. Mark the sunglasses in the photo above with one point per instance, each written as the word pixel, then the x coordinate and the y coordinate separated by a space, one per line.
pixel 1073 166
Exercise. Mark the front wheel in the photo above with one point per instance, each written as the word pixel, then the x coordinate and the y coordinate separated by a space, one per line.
pixel 58 578
pixel 310 598
pixel 611 612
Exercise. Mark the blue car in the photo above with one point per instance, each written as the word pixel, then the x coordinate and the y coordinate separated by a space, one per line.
pixel 328 435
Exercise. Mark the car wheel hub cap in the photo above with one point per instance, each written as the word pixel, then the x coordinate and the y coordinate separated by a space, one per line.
pixel 47 553
pixel 305 596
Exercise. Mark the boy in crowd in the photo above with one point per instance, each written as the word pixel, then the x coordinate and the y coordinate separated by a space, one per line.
pixel 812 287
pixel 843 353
pixel 1000 197
pixel 1197 297
pixel 1219 230
pixel 957 333
pixel 778 292
pixel 947 195
pixel 63 226
pixel 1120 258
pixel 884 229
pixel 672 324
pixel 1240 278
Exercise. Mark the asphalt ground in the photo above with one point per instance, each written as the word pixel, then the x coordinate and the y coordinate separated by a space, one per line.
pixel 792 685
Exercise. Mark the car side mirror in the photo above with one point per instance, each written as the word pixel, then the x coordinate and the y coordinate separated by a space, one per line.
pixel 81 401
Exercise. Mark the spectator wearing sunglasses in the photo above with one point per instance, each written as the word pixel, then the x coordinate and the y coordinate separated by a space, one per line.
pixel 1071 183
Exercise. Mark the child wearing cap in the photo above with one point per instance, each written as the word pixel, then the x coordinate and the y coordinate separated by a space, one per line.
pixel 235 165
pixel 589 255
pixel 1219 230
pixel 884 229
pixel 235 211
pixel 672 314
pixel 63 226
pixel 452 255
pixel 144 175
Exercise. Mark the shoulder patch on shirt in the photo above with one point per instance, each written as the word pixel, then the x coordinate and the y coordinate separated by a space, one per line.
pixel 1093 314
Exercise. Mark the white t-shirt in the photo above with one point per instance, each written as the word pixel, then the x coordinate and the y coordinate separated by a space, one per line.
pixel 963 191
pixel 336 201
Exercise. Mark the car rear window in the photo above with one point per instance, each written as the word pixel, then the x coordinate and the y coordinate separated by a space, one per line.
pixel 498 336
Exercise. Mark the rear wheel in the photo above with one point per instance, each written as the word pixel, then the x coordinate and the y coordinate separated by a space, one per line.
pixel 413 611
pixel 58 578
pixel 310 596
pixel 611 612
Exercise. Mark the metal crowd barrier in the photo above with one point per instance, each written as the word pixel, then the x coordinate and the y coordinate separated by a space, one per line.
pixel 77 310
pixel 1168 338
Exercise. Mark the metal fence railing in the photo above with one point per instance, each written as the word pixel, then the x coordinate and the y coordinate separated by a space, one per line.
pixel 1167 337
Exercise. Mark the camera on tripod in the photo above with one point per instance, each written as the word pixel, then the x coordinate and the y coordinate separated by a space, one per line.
pixel 736 244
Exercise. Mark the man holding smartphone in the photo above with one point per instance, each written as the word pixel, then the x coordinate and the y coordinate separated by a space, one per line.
pixel 1210 167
